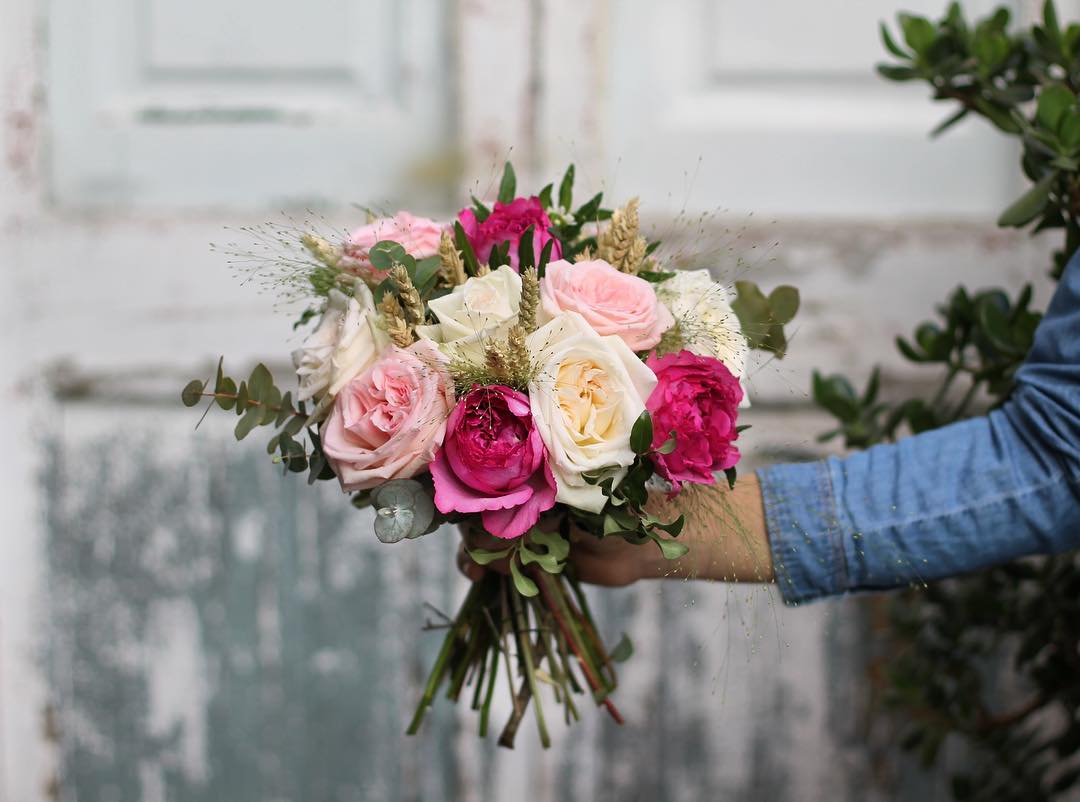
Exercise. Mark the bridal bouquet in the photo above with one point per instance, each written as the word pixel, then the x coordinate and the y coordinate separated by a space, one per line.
pixel 527 369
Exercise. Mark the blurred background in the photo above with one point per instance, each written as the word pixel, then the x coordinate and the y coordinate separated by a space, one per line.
pixel 178 622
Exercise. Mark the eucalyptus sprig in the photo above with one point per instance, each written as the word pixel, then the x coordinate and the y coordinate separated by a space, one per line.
pixel 259 402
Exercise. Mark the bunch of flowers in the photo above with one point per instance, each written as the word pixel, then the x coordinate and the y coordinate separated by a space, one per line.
pixel 525 368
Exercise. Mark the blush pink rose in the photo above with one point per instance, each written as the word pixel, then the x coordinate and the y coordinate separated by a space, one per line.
pixel 612 302
pixel 493 462
pixel 506 223
pixel 419 236
pixel 696 397
pixel 388 421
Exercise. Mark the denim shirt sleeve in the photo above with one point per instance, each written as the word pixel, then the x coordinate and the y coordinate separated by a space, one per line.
pixel 953 500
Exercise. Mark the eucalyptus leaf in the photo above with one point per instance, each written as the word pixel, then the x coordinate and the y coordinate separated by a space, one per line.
pixel 623 650
pixel 403 509
pixel 192 392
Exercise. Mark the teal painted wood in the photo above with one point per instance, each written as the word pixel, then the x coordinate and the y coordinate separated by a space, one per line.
pixel 219 632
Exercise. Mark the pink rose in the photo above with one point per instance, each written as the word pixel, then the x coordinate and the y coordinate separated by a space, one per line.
pixel 419 236
pixel 696 397
pixel 494 462
pixel 507 222
pixel 387 422
pixel 611 302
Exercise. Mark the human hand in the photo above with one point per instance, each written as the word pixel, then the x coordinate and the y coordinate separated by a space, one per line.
pixel 609 561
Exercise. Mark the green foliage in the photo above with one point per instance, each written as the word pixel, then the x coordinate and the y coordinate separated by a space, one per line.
pixel 762 318
pixel 403 509
pixel 949 642
pixel 986 70
pixel 257 401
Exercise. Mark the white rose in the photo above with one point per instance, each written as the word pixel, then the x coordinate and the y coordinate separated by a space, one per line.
pixel 585 400
pixel 707 322
pixel 347 341
pixel 482 308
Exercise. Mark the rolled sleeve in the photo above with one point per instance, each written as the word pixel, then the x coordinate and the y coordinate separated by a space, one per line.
pixel 805 535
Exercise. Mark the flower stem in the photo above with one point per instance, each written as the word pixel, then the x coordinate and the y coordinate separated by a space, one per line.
pixel 437 671
pixel 526 648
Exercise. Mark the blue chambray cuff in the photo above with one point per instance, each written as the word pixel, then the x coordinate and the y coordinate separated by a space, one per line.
pixel 804 535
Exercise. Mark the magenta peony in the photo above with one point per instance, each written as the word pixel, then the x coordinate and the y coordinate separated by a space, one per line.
pixel 696 397
pixel 507 222
pixel 493 461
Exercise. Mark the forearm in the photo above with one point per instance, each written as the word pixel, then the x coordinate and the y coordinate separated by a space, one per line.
pixel 724 530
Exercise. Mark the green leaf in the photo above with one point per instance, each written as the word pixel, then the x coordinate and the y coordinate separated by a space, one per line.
pixel 895 73
pixel 1054 101
pixel 589 211
pixel 260 383
pixel 546 561
pixel 484 557
pixel 545 196
pixel 641 435
pixel 461 241
pixel 427 273
pixel 524 585
pixel 227 387
pixel 671 549
pixel 508 185
pixel 1029 205
pixel 526 254
pixel 731 475
pixel 1000 117
pixel 655 276
pixel 192 392
pixel 566 189
pixel 1050 22
pixel 919 32
pixel 403 509
pixel 623 650
pixel 948 122
pixel 545 257
pixel 668 445
pixel 555 543
pixel 784 303
pixel 251 419
pixel 481 211
pixel 890 45
pixel 386 253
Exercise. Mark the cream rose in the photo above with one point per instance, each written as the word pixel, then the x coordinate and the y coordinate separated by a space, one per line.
pixel 612 302
pixel 347 341
pixel 586 398
pixel 474 312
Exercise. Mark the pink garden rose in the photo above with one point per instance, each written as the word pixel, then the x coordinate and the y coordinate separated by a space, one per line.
pixel 612 302
pixel 387 422
pixel 493 462
pixel 419 236
pixel 696 397
pixel 508 221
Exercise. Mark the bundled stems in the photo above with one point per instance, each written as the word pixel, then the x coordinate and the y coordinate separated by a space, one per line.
pixel 552 632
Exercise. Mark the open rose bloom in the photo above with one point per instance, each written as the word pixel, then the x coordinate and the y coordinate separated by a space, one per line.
pixel 529 368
